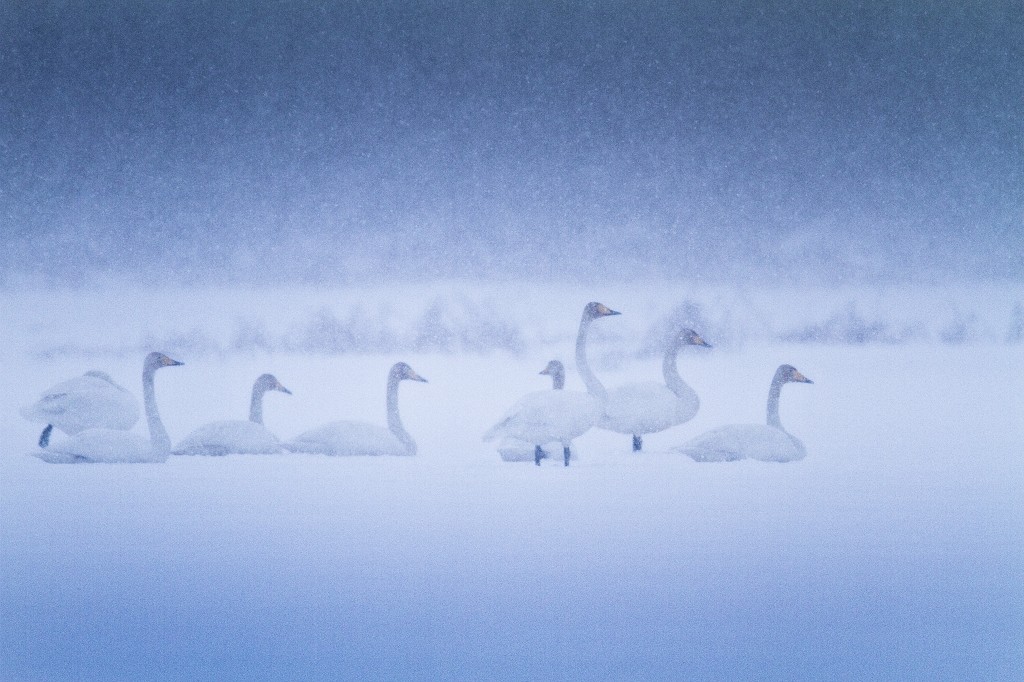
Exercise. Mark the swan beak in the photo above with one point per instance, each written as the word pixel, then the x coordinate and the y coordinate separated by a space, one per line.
pixel 415 377
pixel 797 376
pixel 545 371
pixel 170 362
pixel 283 389
pixel 701 342
pixel 605 310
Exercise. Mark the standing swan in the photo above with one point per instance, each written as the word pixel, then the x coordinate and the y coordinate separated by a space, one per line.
pixel 86 402
pixel 112 445
pixel 546 416
pixel 647 406
pixel 235 436
pixel 516 450
pixel 360 438
pixel 769 443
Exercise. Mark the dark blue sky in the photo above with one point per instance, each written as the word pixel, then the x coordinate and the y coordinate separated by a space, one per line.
pixel 339 141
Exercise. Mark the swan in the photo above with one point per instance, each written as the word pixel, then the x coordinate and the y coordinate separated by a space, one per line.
pixel 90 401
pixel 545 416
pixel 361 438
pixel 235 436
pixel 113 445
pixel 648 406
pixel 767 442
pixel 516 450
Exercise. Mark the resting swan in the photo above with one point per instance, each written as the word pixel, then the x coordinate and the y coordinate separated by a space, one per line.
pixel 361 438
pixel 648 406
pixel 112 445
pixel 767 442
pixel 235 436
pixel 516 450
pixel 546 416
pixel 86 402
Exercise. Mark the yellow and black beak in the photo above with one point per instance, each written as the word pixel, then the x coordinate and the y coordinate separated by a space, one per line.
pixel 415 377
pixel 281 388
pixel 605 310
pixel 698 340
pixel 798 377
pixel 170 362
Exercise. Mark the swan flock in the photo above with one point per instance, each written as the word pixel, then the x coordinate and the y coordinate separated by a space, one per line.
pixel 95 416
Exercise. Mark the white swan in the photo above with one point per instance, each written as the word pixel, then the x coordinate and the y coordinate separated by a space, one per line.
pixel 235 436
pixel 648 406
pixel 546 416
pixel 767 442
pixel 90 401
pixel 112 445
pixel 516 450
pixel 361 438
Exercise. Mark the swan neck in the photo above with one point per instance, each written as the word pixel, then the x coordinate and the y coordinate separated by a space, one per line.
pixel 157 433
pixel 256 405
pixel 773 403
pixel 594 386
pixel 674 382
pixel 394 420
pixel 558 381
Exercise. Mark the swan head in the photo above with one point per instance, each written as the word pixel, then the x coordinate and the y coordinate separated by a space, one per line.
pixel 404 371
pixel 688 337
pixel 156 360
pixel 554 368
pixel 595 310
pixel 268 382
pixel 791 373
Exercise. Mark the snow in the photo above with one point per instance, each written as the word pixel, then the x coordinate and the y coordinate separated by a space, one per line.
pixel 892 551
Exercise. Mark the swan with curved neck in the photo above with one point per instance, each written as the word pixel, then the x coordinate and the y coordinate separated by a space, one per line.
pixel 768 442
pixel 643 407
pixel 517 450
pixel 235 436
pixel 546 416
pixel 591 312
pixel 113 445
pixel 361 438
pixel 93 400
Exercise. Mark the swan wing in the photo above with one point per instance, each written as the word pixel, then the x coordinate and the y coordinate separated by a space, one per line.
pixel 646 407
pixel 349 438
pixel 231 436
pixel 743 441
pixel 85 402
pixel 546 416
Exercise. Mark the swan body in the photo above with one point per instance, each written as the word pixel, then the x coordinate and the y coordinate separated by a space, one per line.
pixel 517 450
pixel 545 416
pixel 236 436
pixel 114 445
pixel 744 441
pixel 766 442
pixel 645 407
pixel 90 401
pixel 345 438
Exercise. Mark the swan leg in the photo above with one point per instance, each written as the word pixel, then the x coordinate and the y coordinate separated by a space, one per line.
pixel 565 453
pixel 538 455
pixel 638 443
pixel 44 437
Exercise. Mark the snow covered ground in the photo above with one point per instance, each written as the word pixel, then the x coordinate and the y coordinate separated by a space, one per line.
pixel 893 551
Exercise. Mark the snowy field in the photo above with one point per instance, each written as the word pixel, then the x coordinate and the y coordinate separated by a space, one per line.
pixel 895 550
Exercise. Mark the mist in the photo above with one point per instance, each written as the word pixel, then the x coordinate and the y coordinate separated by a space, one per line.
pixel 360 142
